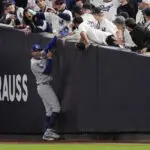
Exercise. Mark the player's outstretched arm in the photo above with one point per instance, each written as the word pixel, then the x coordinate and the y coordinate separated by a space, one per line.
pixel 50 45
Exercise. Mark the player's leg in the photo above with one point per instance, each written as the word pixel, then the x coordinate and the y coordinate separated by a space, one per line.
pixel 53 102
pixel 52 109
pixel 48 112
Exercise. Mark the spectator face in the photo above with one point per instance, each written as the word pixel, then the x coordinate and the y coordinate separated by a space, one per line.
pixel 11 9
pixel 99 17
pixel 61 6
pixel 41 3
pixel 28 16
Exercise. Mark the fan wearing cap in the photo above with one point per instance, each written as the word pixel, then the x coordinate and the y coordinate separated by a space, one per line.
pixel 146 13
pixel 41 67
pixel 142 5
pixel 65 16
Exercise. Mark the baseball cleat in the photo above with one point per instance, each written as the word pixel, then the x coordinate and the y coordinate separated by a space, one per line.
pixel 50 135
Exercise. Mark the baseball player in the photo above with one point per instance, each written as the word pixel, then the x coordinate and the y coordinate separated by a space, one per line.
pixel 41 66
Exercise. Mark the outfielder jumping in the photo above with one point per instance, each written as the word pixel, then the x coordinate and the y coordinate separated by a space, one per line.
pixel 41 66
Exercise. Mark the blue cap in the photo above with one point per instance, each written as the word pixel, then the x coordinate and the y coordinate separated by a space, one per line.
pixel 36 47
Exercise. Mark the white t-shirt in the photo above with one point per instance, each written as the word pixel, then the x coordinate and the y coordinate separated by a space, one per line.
pixel 89 18
pixel 53 19
pixel 128 42
pixel 107 26
pixel 94 35
pixel 140 17
pixel 20 14
pixel 104 24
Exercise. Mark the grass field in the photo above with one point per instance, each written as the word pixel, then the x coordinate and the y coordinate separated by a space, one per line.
pixel 11 146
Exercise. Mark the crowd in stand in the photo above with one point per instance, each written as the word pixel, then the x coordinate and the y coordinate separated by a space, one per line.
pixel 120 23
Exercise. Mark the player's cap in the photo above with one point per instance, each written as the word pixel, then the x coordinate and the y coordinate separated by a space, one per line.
pixel 36 47
pixel 59 2
pixel 119 20
pixel 97 10
pixel 146 11
pixel 146 1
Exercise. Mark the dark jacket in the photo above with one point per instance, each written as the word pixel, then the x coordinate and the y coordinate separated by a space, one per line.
pixel 141 37
pixel 37 23
pixel 134 3
pixel 70 4
pixel 129 8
